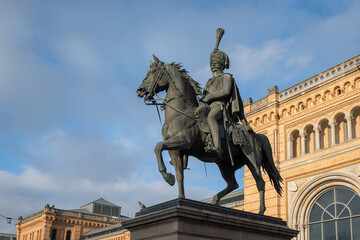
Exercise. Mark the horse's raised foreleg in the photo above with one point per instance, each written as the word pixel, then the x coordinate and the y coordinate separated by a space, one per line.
pixel 168 177
pixel 260 184
pixel 228 173
pixel 177 142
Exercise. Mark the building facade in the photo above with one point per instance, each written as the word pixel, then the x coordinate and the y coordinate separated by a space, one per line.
pixel 7 236
pixel 314 130
pixel 57 224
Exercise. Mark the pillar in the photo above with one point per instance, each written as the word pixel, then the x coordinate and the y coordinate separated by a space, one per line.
pixel 332 124
pixel 349 117
pixel 276 142
pixel 290 146
pixel 303 138
pixel 317 136
pixel 47 230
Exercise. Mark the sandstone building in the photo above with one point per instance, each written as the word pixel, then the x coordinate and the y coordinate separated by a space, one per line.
pixel 7 236
pixel 314 130
pixel 53 224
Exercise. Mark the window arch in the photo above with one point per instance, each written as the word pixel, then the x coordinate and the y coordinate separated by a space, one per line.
pixel 318 99
pixel 347 87
pixel 309 139
pixel 302 202
pixel 355 122
pixel 335 215
pixel 53 234
pixel 295 146
pixel 292 110
pixel 324 134
pixel 357 83
pixel 340 128
pixel 257 122
pixel 68 235
pixel 327 95
pixel 309 103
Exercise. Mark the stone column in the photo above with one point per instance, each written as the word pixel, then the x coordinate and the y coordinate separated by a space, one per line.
pixel 290 147
pixel 77 232
pixel 276 142
pixel 332 124
pixel 302 233
pixel 317 136
pixel 303 138
pixel 47 230
pixel 349 117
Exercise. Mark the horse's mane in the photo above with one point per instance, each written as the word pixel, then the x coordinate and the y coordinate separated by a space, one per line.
pixel 194 84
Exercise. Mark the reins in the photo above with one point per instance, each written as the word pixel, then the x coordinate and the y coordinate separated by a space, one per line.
pixel 165 102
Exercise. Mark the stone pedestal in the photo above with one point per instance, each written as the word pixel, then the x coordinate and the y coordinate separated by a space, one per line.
pixel 182 219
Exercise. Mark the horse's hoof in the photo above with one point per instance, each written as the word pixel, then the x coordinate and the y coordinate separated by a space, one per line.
pixel 170 179
pixel 215 201
pixel 261 212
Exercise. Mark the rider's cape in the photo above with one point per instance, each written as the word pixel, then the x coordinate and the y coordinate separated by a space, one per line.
pixel 236 103
pixel 240 133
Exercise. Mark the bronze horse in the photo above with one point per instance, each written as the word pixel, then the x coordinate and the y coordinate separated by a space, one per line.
pixel 183 137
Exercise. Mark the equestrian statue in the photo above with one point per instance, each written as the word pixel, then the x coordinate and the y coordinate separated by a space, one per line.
pixel 209 125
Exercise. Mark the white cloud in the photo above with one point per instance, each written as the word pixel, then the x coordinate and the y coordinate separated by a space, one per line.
pixel 269 59
pixel 28 192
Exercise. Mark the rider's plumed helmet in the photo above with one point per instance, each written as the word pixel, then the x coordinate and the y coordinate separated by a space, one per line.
pixel 218 55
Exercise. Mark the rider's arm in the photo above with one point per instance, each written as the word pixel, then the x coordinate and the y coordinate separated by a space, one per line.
pixel 224 92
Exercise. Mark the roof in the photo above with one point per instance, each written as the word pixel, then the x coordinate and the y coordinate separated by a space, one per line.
pixel 104 232
pixel 103 202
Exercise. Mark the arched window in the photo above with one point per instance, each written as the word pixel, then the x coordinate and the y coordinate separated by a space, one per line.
pixel 309 139
pixel 53 234
pixel 340 128
pixel 68 235
pixel 324 134
pixel 335 215
pixel 295 144
pixel 355 122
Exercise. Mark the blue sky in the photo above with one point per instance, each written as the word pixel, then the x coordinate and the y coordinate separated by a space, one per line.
pixel 71 126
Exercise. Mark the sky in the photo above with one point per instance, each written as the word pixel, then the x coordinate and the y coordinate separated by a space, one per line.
pixel 72 128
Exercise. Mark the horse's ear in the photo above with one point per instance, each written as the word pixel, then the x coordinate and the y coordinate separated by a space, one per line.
pixel 156 59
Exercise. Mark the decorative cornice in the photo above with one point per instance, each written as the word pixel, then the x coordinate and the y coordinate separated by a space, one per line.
pixel 316 81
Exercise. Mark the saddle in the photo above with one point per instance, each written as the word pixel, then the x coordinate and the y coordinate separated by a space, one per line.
pixel 235 132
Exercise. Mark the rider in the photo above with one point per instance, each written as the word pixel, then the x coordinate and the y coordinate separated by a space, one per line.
pixel 220 90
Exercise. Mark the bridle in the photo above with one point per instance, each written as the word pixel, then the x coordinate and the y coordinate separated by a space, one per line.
pixel 152 92
pixel 165 102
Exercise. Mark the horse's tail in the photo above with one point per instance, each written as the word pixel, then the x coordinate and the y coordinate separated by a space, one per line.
pixel 268 164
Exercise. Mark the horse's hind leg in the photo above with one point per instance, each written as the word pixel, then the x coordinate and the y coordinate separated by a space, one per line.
pixel 178 142
pixel 260 184
pixel 228 173
pixel 177 159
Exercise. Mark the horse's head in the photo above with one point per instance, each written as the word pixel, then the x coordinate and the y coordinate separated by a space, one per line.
pixel 154 81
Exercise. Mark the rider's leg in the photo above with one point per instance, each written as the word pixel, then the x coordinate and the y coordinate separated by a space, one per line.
pixel 215 114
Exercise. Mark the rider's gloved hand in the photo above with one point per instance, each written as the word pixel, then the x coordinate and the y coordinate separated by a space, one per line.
pixel 204 99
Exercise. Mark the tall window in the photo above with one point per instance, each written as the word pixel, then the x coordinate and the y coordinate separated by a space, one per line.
pixel 335 216
pixel 53 234
pixel 68 235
